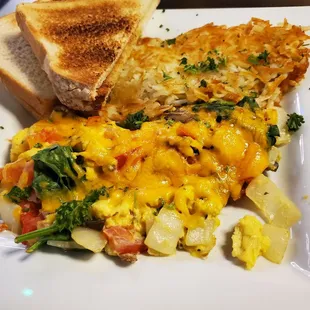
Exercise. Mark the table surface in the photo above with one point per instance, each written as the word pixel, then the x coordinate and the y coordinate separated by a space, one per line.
pixel 172 4
pixel 8 6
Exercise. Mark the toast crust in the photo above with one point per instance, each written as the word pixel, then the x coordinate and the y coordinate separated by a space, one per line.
pixel 39 107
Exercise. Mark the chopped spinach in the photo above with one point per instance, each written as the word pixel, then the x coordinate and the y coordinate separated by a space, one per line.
pixel 17 194
pixel 221 107
pixel 68 216
pixel 53 170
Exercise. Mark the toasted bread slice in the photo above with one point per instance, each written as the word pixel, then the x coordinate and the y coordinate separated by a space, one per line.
pixel 107 86
pixel 21 72
pixel 78 43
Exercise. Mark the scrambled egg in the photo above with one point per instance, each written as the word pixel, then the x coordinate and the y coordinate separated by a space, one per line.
pixel 192 168
pixel 248 241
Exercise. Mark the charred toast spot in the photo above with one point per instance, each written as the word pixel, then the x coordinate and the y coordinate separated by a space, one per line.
pixel 89 29
pixel 100 54
pixel 91 38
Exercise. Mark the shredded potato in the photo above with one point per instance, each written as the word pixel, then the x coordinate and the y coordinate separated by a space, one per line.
pixel 154 77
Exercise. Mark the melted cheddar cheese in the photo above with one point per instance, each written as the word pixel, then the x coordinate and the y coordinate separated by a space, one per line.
pixel 194 167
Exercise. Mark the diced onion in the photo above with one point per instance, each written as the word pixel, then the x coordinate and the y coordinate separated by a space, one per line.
pixel 285 137
pixel 274 157
pixel 278 209
pixel 66 245
pixel 90 239
pixel 165 233
pixel 7 215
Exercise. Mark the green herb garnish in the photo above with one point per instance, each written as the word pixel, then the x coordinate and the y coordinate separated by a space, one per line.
pixel 203 83
pixel 171 41
pixel 170 122
pixel 166 76
pixel 38 145
pixel 183 61
pixel 134 121
pixel 207 124
pixel 294 122
pixel 191 69
pixel 43 240
pixel 262 57
pixel 210 64
pixel 250 101
pixel 1 127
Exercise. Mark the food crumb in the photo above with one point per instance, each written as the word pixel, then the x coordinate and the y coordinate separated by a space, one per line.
pixel 161 26
pixel 164 10
pixel 167 29
pixel 305 197
pixel 197 14
pixel 1 127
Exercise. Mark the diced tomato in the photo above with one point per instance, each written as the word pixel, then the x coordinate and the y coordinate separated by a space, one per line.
pixel 12 171
pixel 131 157
pixel 45 135
pixel 3 227
pixel 121 160
pixel 121 241
pixel 183 131
pixel 19 173
pixel 29 217
pixel 27 175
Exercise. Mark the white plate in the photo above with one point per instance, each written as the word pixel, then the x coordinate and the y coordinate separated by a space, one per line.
pixel 51 280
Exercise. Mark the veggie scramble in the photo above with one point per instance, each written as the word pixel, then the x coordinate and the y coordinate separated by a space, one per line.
pixel 154 183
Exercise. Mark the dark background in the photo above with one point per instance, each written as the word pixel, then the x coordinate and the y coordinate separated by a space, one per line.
pixel 172 4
